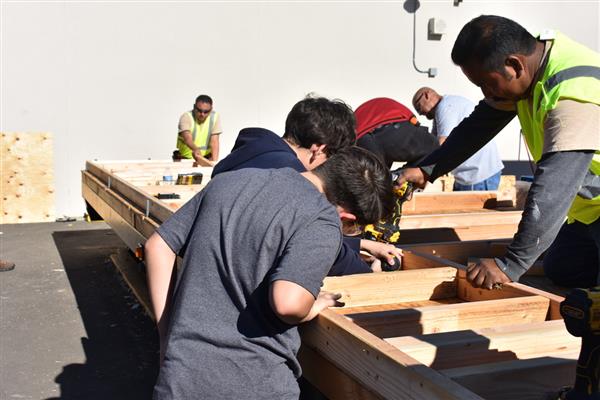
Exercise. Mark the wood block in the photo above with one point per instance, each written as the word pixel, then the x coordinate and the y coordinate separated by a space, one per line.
pixel 27 178
pixel 433 203
pixel 393 287
pixel 452 317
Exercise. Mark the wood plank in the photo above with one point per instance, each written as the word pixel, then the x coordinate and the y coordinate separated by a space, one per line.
pixel 433 203
pixel 452 317
pixel 488 345
pixel 375 364
pixel 26 177
pixel 134 217
pixel 396 306
pixel 458 220
pixel 519 379
pixel 455 251
pixel 331 381
pixel 133 274
pixel 442 233
pixel 393 287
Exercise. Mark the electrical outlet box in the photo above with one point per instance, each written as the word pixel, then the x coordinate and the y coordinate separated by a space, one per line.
pixel 436 26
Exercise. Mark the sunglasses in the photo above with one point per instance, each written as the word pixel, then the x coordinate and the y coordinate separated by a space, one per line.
pixel 200 111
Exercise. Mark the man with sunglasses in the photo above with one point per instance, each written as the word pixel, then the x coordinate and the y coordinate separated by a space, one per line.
pixel 199 131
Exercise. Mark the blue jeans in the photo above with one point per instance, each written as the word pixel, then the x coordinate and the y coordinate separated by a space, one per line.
pixel 490 183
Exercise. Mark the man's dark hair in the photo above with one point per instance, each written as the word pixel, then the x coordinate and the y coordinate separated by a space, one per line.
pixel 489 39
pixel 203 99
pixel 317 120
pixel 357 180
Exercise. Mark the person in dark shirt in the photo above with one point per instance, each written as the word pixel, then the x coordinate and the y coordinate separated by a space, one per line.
pixel 391 131
pixel 315 129
pixel 228 326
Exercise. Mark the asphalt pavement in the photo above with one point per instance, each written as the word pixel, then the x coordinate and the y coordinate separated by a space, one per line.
pixel 69 326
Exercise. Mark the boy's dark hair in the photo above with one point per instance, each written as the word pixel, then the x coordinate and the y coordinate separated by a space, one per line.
pixel 357 180
pixel 203 99
pixel 317 120
pixel 489 39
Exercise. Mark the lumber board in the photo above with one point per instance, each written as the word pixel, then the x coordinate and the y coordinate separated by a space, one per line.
pixel 393 287
pixel 526 379
pixel 330 380
pixel 135 278
pixel 488 345
pixel 396 306
pixel 27 177
pixel 455 251
pixel 452 317
pixel 433 203
pixel 97 192
pixel 375 364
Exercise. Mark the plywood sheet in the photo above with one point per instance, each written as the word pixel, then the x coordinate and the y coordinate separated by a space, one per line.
pixel 27 177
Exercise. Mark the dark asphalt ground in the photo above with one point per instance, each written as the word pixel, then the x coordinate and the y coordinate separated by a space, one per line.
pixel 69 326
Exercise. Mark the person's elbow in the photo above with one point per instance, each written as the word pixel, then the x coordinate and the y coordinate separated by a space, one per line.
pixel 290 302
pixel 156 246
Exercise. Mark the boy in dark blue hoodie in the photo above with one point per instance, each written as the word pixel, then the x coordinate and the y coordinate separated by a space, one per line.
pixel 315 129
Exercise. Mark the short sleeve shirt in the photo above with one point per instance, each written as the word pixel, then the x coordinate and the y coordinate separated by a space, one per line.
pixel 245 230
pixel 450 111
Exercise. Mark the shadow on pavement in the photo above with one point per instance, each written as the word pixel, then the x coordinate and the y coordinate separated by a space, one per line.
pixel 121 346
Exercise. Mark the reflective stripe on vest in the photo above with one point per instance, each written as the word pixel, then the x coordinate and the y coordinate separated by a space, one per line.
pixel 572 72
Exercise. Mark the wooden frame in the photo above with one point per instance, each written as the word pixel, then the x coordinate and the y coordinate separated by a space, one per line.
pixel 419 333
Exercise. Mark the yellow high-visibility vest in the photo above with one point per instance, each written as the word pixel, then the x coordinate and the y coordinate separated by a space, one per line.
pixel 572 72
pixel 200 135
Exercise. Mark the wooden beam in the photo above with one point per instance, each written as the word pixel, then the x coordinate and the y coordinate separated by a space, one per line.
pixel 95 191
pixel 375 364
pixel 446 202
pixel 331 381
pixel 481 346
pixel 132 272
pixel 393 287
pixel 451 317
pixel 455 251
pixel 518 379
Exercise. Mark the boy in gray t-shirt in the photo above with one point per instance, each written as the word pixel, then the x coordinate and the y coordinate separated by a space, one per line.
pixel 256 245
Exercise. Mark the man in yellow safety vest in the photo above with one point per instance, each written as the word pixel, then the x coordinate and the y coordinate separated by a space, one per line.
pixel 199 131
pixel 552 84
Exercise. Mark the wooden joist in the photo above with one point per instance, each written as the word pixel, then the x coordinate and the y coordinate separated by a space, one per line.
pixel 453 317
pixel 493 344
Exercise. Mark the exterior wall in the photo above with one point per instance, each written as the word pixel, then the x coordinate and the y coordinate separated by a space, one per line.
pixel 110 79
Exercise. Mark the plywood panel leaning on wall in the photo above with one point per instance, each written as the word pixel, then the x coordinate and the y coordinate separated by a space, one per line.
pixel 27 173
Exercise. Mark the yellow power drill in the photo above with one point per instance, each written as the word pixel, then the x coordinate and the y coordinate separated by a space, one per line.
pixel 388 230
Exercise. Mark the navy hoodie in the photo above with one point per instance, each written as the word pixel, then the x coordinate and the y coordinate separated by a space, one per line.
pixel 261 148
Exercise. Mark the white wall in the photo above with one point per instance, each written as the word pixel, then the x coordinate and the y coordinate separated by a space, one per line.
pixel 110 79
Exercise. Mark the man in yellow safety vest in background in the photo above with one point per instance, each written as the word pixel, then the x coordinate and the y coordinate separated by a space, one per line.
pixel 199 131
pixel 552 84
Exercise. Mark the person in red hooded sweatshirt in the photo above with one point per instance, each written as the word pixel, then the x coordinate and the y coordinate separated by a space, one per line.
pixel 392 131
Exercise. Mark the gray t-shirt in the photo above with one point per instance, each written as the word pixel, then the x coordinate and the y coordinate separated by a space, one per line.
pixel 245 230
pixel 450 111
